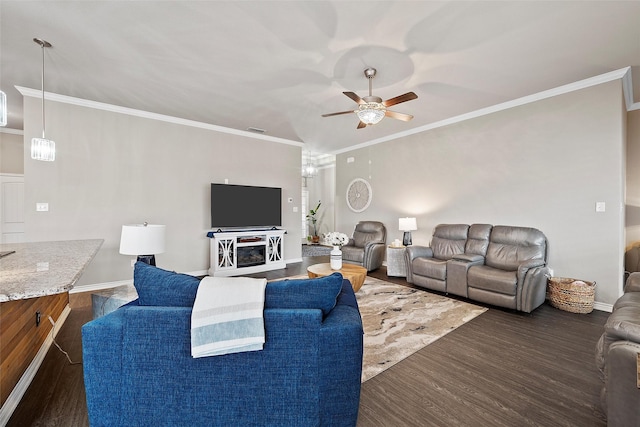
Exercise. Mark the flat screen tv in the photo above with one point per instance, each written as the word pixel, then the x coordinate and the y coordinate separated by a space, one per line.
pixel 244 206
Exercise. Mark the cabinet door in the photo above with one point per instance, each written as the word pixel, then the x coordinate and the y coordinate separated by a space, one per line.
pixel 274 250
pixel 226 249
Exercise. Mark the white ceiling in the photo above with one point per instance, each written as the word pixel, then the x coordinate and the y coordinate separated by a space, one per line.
pixel 279 65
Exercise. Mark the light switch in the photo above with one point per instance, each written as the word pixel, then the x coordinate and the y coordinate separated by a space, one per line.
pixel 601 206
pixel 295 209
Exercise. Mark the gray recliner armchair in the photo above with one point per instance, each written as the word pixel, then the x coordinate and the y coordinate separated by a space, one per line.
pixel 367 246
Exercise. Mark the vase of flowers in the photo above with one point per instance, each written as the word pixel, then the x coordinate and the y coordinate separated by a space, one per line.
pixel 337 240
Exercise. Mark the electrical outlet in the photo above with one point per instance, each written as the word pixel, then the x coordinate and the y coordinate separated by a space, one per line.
pixel 42 207
pixel 133 262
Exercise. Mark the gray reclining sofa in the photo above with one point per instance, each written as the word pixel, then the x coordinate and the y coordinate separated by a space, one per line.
pixel 618 358
pixel 500 265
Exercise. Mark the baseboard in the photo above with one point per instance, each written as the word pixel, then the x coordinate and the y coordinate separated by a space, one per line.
pixel 603 307
pixel 99 286
pixel 21 387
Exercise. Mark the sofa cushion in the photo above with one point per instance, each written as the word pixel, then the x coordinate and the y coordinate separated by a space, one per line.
pixel 352 253
pixel 510 246
pixel 320 292
pixel 430 267
pixel 368 231
pixel 158 287
pixel 624 323
pixel 449 240
pixel 492 279
pixel 478 239
pixel 630 299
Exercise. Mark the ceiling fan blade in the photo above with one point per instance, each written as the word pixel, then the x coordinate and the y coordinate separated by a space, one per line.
pixel 355 97
pixel 398 99
pixel 337 114
pixel 361 125
pixel 399 116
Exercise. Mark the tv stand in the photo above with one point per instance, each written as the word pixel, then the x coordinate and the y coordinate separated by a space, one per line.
pixel 240 252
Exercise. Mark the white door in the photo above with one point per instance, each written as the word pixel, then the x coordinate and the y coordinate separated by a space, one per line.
pixel 11 208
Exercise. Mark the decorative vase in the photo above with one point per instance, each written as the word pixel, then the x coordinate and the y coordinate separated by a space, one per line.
pixel 336 258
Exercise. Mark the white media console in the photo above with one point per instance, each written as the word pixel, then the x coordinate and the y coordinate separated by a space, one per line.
pixel 246 251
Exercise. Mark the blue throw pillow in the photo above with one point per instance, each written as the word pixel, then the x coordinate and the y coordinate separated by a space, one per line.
pixel 320 292
pixel 159 287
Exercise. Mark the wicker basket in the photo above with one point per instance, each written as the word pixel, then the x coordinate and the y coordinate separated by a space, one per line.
pixel 572 295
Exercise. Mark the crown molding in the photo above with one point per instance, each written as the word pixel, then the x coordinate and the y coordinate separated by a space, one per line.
pixel 624 74
pixel 36 93
pixel 12 131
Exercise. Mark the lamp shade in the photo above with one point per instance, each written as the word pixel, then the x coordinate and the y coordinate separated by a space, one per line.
pixel 142 239
pixel 407 224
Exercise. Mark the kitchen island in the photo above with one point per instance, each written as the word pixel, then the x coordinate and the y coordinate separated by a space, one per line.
pixel 35 280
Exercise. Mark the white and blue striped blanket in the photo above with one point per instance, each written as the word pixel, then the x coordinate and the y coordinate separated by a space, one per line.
pixel 228 316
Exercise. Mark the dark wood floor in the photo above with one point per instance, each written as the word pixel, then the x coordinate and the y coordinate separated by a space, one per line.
pixel 501 369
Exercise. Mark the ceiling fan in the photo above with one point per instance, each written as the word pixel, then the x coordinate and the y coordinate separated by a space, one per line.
pixel 372 109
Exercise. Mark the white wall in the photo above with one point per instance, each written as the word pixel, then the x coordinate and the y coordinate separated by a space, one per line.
pixel 322 188
pixel 541 165
pixel 11 150
pixel 633 178
pixel 113 169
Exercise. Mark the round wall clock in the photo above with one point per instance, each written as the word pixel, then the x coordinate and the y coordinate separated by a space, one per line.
pixel 359 195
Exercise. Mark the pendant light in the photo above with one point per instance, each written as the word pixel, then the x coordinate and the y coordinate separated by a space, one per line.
pixel 42 148
pixel 3 109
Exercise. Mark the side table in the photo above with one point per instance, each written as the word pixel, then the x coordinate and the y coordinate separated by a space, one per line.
pixel 396 263
pixel 107 300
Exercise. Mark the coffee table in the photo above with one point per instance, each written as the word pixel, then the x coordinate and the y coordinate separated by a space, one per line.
pixel 355 273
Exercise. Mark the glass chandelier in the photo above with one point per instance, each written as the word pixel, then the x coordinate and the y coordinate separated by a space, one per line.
pixel 42 148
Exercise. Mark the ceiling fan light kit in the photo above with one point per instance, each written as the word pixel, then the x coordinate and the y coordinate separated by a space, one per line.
pixel 371 109
pixel 371 113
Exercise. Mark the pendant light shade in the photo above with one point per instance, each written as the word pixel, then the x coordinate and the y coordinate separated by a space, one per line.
pixel 42 148
pixel 3 109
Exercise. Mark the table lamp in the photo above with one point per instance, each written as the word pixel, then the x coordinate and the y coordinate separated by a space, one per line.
pixel 407 225
pixel 144 240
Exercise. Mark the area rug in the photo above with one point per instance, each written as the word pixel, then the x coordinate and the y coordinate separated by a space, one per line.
pixel 315 250
pixel 400 320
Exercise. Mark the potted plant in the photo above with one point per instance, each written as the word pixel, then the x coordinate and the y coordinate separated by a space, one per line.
pixel 312 217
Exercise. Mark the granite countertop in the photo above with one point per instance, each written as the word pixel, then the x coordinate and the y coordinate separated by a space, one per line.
pixel 43 268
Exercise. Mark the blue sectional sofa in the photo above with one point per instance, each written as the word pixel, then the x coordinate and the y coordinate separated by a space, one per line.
pixel 139 371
